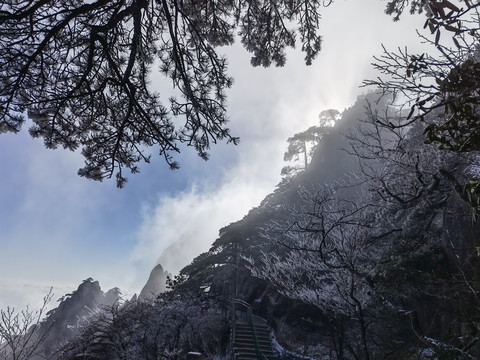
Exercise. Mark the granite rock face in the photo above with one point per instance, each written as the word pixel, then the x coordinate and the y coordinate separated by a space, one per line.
pixel 156 284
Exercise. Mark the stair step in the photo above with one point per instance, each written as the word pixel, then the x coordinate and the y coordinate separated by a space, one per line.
pixel 250 339
pixel 251 349
pixel 257 329
pixel 259 334
pixel 244 345
pixel 242 349
pixel 252 346
pixel 252 343
pixel 253 353
pixel 251 357
pixel 249 333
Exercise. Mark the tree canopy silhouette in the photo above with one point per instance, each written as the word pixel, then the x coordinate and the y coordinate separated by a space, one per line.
pixel 81 71
pixel 297 144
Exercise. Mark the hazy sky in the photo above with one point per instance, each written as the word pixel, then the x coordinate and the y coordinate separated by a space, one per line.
pixel 57 229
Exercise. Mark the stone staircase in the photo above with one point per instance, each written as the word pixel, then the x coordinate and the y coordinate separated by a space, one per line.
pixel 244 344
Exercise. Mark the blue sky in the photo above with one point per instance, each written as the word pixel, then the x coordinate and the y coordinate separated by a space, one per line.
pixel 57 229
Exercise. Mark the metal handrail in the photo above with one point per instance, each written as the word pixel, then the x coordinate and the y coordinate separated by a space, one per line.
pixel 242 302
pixel 258 352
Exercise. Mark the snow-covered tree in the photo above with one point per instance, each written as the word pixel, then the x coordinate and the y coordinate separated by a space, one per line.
pixel 162 329
pixel 334 242
pixel 22 333
pixel 439 87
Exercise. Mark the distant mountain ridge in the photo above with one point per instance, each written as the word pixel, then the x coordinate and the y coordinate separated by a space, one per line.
pixel 72 309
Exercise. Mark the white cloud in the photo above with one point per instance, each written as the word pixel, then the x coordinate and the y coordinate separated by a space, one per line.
pixel 193 216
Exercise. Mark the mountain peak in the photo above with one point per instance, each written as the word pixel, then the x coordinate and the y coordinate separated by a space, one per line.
pixel 156 283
